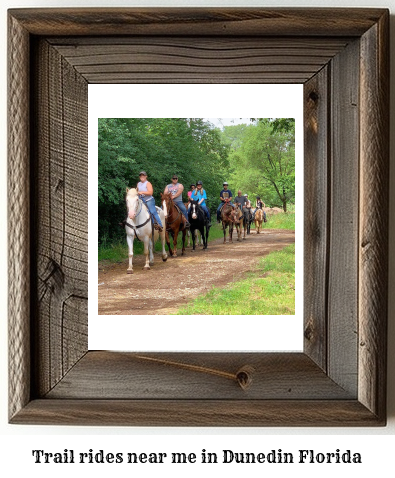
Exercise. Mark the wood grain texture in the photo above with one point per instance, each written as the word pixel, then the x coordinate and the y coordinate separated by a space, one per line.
pixel 373 228
pixel 61 199
pixel 316 213
pixel 344 216
pixel 18 214
pixel 213 60
pixel 284 376
pixel 316 388
pixel 199 21
pixel 202 413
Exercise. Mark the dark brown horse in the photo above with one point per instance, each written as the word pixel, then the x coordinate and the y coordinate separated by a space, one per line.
pixel 175 223
pixel 230 217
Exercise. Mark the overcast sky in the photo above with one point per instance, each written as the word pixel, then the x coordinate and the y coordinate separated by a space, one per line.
pixel 219 122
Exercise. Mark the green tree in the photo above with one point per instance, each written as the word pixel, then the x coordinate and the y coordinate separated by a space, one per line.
pixel 189 147
pixel 263 162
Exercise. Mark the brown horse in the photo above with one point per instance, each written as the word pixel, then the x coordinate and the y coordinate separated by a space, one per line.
pixel 258 220
pixel 230 217
pixel 175 223
pixel 242 220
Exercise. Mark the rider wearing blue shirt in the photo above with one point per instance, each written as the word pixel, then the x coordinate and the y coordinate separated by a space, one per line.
pixel 226 197
pixel 200 195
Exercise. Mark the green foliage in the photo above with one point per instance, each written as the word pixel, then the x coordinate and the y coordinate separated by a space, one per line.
pixel 280 221
pixel 262 160
pixel 258 159
pixel 188 147
pixel 270 290
pixel 117 251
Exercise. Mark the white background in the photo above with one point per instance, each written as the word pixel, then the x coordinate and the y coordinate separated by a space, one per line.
pixel 153 332
pixel 376 445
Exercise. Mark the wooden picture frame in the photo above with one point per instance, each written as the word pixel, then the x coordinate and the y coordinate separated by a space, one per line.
pixel 342 58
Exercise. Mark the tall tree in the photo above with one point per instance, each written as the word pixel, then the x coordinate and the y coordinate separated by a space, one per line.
pixel 265 160
pixel 189 147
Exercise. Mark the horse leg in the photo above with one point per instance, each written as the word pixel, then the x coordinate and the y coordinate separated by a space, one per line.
pixel 147 241
pixel 129 240
pixel 224 229
pixel 168 243
pixel 204 235
pixel 163 241
pixel 184 233
pixel 230 233
pixel 175 236
pixel 151 252
pixel 193 234
pixel 189 238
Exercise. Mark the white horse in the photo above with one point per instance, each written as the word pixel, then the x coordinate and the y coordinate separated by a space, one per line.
pixel 138 224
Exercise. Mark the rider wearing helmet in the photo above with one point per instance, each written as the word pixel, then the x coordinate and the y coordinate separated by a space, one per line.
pixel 200 195
pixel 226 198
pixel 248 202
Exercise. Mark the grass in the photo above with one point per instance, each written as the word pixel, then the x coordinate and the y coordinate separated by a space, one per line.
pixel 280 221
pixel 270 290
pixel 118 251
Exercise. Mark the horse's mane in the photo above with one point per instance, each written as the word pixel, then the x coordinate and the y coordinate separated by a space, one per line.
pixel 199 209
pixel 131 192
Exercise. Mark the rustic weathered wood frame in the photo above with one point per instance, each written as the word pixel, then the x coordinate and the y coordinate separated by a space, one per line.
pixel 342 57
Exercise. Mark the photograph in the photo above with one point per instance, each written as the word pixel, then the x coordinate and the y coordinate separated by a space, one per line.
pixel 196 216
pixel 216 179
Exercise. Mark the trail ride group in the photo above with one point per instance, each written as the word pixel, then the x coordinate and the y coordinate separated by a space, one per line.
pixel 147 222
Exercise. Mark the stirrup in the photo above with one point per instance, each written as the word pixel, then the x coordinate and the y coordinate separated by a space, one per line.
pixel 157 227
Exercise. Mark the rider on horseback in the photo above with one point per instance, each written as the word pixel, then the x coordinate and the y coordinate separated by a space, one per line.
pixel 259 205
pixel 226 197
pixel 200 195
pixel 192 188
pixel 239 199
pixel 176 189
pixel 145 191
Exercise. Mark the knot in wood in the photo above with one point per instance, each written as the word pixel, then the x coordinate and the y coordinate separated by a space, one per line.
pixel 244 376
pixel 313 96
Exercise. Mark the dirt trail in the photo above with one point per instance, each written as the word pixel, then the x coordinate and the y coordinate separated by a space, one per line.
pixel 169 285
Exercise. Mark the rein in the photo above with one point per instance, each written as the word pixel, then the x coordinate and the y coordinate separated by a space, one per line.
pixel 228 216
pixel 178 214
pixel 134 228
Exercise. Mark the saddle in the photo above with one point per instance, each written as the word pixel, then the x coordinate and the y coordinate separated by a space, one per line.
pixel 183 222
pixel 226 214
pixel 154 224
